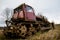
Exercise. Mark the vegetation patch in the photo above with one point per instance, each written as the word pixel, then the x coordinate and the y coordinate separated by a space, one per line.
pixel 53 34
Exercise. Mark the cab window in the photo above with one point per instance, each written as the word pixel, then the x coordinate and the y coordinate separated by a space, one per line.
pixel 29 9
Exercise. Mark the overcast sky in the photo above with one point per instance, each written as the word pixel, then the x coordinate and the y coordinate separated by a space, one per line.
pixel 48 8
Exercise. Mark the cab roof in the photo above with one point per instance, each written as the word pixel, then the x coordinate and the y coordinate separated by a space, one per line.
pixel 20 6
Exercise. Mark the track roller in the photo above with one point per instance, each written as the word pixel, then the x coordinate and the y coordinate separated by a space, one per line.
pixel 31 30
pixel 22 30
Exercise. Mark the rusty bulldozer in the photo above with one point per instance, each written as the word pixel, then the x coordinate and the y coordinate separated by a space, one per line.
pixel 24 22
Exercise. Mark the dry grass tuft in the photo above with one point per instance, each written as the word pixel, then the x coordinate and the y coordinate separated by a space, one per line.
pixel 50 35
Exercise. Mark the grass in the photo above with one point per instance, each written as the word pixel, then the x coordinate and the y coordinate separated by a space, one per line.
pixel 49 35
pixel 1 35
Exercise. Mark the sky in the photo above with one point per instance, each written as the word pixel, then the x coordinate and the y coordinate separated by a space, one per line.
pixel 48 8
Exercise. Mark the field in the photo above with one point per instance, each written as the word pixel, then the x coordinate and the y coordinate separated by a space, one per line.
pixel 53 34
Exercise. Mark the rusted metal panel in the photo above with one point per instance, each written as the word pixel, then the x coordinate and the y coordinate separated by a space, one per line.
pixel 30 16
pixel 21 14
pixel 15 15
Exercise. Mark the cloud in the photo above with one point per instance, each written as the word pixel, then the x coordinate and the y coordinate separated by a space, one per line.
pixel 49 8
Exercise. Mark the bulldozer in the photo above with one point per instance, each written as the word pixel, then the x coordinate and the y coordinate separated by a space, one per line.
pixel 24 22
